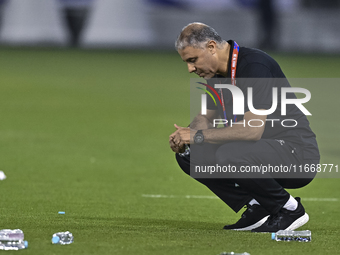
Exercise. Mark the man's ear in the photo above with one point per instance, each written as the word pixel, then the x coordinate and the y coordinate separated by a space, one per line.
pixel 211 45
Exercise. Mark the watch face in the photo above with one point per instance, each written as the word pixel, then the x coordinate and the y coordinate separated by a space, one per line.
pixel 199 138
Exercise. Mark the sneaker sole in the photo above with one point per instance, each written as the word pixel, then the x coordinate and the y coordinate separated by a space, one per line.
pixel 299 222
pixel 256 225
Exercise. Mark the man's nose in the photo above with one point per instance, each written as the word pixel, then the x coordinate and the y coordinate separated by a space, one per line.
pixel 191 68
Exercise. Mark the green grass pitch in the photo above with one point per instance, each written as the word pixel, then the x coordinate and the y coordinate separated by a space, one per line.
pixel 86 132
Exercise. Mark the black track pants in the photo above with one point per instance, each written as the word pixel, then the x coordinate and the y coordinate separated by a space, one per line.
pixel 236 192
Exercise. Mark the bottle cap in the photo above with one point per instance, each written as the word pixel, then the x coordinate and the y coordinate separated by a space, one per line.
pixel 273 236
pixel 55 239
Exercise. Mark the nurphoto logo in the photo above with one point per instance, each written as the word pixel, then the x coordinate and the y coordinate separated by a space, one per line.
pixel 238 104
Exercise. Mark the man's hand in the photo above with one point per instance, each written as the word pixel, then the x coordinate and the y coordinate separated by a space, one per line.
pixel 180 137
pixel 174 147
pixel 183 135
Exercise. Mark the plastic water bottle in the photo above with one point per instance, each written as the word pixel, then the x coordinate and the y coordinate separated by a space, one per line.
pixel 290 235
pixel 12 239
pixel 62 238
pixel 186 152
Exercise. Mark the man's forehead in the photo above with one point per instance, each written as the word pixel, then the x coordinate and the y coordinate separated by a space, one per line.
pixel 189 52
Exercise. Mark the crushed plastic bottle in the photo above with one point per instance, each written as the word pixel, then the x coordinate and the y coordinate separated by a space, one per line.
pixel 13 245
pixel 290 235
pixel 12 239
pixel 62 238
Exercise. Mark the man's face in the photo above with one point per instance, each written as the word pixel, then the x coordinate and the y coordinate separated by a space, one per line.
pixel 203 62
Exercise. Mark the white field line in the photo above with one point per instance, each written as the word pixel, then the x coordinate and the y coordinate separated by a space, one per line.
pixel 320 199
pixel 314 199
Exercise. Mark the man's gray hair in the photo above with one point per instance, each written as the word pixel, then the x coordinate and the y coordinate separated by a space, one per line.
pixel 196 35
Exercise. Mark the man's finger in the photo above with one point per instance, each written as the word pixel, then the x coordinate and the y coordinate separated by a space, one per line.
pixel 173 146
pixel 181 144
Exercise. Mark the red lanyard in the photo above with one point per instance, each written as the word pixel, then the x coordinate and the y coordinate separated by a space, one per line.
pixel 233 77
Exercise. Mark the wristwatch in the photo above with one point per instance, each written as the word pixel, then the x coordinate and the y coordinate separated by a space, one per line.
pixel 199 137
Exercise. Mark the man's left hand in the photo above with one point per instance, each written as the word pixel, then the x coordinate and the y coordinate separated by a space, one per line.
pixel 183 135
